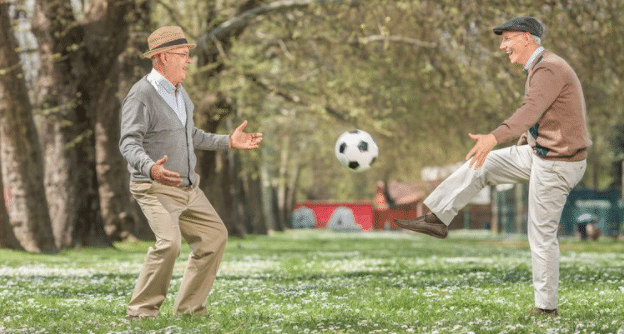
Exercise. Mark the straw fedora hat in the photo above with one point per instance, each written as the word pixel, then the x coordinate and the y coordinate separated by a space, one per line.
pixel 165 39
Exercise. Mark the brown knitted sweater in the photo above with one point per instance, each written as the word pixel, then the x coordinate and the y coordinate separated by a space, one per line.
pixel 552 118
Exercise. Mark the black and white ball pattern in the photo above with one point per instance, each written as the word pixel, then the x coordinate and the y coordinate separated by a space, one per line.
pixel 356 150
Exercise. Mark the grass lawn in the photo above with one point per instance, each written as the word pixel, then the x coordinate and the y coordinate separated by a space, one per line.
pixel 310 281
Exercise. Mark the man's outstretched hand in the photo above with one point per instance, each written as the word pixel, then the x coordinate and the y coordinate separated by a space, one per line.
pixel 244 141
pixel 164 176
pixel 485 143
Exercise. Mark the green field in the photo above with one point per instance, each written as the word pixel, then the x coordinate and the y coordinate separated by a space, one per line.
pixel 326 282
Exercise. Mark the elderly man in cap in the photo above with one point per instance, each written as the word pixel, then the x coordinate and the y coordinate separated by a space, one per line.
pixel 551 154
pixel 158 138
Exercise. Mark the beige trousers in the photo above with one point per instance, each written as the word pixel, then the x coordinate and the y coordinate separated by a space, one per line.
pixel 550 183
pixel 174 213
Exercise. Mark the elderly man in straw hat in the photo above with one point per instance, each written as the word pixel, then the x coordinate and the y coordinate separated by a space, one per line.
pixel 158 138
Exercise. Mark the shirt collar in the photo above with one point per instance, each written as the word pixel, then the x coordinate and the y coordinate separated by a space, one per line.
pixel 532 58
pixel 157 78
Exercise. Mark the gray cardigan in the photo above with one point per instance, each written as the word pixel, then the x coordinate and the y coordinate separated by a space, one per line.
pixel 150 129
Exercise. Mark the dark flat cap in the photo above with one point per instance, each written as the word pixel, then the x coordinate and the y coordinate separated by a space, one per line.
pixel 524 23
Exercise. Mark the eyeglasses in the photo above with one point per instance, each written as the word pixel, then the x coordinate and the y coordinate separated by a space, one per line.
pixel 509 38
pixel 185 55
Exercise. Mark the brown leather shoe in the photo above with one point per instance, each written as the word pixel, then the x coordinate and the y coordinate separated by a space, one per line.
pixel 428 224
pixel 536 311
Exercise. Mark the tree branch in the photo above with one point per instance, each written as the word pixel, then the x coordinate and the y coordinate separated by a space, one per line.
pixel 395 38
pixel 176 20
pixel 273 89
pixel 241 21
pixel 294 98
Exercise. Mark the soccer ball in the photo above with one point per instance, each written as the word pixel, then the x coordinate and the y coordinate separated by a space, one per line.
pixel 356 150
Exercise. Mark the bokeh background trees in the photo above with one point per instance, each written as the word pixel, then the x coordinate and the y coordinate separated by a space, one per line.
pixel 418 75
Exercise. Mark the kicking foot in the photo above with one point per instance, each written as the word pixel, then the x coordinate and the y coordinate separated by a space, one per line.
pixel 428 224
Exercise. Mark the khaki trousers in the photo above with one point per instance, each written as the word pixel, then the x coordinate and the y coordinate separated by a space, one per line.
pixel 174 213
pixel 550 183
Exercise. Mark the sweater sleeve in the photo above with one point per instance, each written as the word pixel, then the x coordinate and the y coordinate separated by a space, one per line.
pixel 544 88
pixel 134 125
pixel 209 141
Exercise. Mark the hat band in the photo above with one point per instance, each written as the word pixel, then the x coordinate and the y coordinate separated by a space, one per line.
pixel 172 43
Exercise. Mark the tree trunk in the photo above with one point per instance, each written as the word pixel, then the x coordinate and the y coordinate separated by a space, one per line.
pixel 293 184
pixel 122 216
pixel 21 151
pixel 495 219
pixel 7 237
pixel 225 189
pixel 75 57
pixel 253 197
pixel 118 216
pixel 282 190
pixel 215 183
pixel 133 66
pixel 268 199
pixel 228 189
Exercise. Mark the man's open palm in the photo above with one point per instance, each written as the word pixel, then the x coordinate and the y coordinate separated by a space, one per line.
pixel 485 143
pixel 245 141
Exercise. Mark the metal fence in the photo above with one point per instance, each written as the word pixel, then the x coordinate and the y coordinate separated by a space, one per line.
pixel 606 206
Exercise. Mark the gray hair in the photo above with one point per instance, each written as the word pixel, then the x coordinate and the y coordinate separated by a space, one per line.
pixel 157 63
pixel 155 59
pixel 537 40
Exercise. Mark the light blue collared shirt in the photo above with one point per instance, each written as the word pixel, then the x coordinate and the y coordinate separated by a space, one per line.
pixel 169 93
pixel 532 58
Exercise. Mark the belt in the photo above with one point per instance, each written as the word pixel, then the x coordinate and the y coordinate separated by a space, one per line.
pixel 184 187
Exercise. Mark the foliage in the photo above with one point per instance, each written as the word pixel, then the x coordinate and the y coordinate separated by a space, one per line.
pixel 320 281
pixel 418 75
